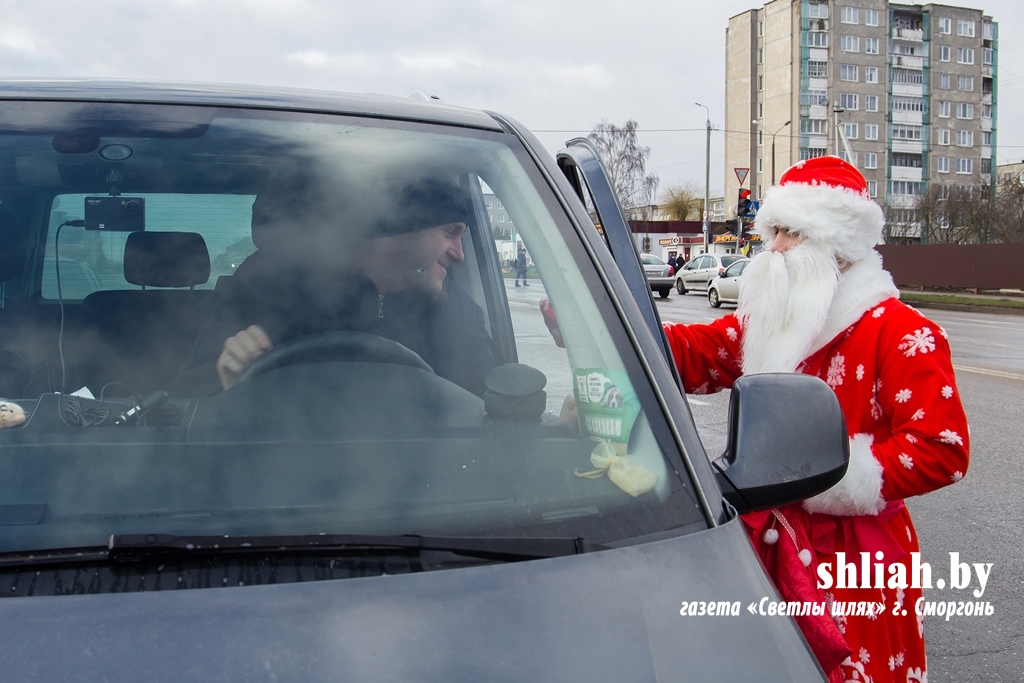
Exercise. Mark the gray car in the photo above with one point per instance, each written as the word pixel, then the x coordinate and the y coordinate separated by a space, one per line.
pixel 659 274
pixel 388 491
pixel 725 289
pixel 701 270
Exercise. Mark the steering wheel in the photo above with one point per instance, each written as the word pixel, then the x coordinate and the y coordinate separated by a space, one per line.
pixel 352 347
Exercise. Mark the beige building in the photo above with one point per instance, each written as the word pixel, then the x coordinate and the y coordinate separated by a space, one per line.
pixel 912 87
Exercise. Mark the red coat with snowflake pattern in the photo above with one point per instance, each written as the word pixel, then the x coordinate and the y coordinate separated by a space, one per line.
pixel 893 375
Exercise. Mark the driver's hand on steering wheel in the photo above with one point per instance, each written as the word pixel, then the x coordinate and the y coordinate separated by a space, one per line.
pixel 239 353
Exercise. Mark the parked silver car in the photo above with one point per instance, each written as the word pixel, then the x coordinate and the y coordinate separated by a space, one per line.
pixel 659 274
pixel 701 270
pixel 725 289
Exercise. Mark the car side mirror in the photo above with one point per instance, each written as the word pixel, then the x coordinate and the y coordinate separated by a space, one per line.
pixel 787 441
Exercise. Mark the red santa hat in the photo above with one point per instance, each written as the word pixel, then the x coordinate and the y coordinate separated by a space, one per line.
pixel 824 199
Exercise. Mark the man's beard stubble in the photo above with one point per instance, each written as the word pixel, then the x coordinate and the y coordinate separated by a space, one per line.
pixel 783 304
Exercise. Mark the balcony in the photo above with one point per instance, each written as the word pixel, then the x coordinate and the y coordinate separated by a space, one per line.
pixel 986 124
pixel 908 89
pixel 986 98
pixel 913 35
pixel 909 146
pixel 818 54
pixel 912 117
pixel 901 201
pixel 908 61
pixel 907 173
pixel 817 111
pixel 817 84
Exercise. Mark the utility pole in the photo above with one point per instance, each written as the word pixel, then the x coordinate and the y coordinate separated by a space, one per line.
pixel 707 175
pixel 758 124
pixel 837 110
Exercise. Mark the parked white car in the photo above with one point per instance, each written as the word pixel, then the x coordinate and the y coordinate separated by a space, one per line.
pixel 701 270
pixel 725 289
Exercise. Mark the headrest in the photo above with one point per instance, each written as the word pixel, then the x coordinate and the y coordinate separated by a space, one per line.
pixel 12 246
pixel 166 259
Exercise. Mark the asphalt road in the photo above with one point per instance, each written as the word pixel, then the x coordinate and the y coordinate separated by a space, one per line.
pixel 981 517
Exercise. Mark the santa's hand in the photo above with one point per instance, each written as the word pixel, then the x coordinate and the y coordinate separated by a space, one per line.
pixel 548 313
pixel 239 353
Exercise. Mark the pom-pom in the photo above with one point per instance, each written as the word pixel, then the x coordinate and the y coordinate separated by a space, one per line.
pixel 771 537
pixel 805 557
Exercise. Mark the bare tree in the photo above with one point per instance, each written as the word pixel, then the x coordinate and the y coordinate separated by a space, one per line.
pixel 945 214
pixel 684 202
pixel 626 163
pixel 1008 216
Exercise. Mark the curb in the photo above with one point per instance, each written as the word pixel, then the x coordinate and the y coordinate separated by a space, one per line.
pixel 967 308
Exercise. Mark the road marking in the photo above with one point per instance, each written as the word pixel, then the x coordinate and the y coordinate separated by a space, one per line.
pixel 987 371
pixel 695 402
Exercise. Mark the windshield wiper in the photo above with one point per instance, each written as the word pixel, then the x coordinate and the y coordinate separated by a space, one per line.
pixel 139 547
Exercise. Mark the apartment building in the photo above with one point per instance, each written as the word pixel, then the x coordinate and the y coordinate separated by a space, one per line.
pixel 912 88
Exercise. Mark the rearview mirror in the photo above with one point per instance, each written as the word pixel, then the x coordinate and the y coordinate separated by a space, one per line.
pixel 787 441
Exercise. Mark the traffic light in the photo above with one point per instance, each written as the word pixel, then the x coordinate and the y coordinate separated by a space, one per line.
pixel 647 244
pixel 743 204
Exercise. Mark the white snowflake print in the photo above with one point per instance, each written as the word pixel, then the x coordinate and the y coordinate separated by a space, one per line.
pixel 864 655
pixel 836 371
pixel 702 389
pixel 919 415
pixel 877 313
pixel 920 626
pixel 951 437
pixel 876 407
pixel 731 333
pixel 895 661
pixel 921 340
pixel 918 675
pixel 860 372
pixel 956 476
pixel 942 331
pixel 911 438
pixel 722 353
pixel 713 373
pixel 900 594
pixel 903 395
pixel 947 391
pixel 906 461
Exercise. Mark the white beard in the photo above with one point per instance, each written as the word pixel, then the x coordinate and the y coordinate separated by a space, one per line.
pixel 783 304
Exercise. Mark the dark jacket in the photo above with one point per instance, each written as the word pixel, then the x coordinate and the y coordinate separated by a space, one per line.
pixel 291 302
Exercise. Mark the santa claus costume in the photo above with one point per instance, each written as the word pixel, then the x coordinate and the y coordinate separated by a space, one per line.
pixel 827 308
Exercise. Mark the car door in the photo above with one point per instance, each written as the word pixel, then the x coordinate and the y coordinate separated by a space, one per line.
pixel 729 287
pixel 702 276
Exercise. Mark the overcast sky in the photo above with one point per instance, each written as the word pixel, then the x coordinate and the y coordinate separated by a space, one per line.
pixel 553 65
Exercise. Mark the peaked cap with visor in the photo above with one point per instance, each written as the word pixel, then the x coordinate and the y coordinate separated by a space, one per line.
pixel 824 199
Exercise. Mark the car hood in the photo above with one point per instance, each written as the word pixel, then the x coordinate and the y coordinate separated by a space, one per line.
pixel 610 615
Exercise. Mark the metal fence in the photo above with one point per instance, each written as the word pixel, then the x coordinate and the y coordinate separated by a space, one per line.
pixel 973 266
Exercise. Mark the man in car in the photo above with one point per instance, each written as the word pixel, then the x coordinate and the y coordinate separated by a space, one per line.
pixel 817 301
pixel 385 274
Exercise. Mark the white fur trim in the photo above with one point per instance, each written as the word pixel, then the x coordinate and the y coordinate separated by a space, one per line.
pixel 862 287
pixel 859 492
pixel 850 223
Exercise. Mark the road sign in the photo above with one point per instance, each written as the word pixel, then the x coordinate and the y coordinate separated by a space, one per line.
pixel 741 174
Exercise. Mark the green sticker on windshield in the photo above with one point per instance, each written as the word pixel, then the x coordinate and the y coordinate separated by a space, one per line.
pixel 606 404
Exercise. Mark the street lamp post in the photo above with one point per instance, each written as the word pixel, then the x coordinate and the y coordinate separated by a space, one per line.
pixel 707 175
pixel 758 124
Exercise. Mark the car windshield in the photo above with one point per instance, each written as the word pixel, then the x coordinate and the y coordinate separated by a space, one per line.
pixel 345 315
pixel 729 260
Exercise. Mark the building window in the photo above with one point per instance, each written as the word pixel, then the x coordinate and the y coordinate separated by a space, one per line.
pixel 848 72
pixel 942 164
pixel 760 28
pixel 905 187
pixel 849 43
pixel 846 157
pixel 964 110
pixel 965 83
pixel 945 25
pixel 986 138
pixel 872 188
pixel 986 166
pixel 942 136
pixel 986 111
pixel 760 165
pixel 817 38
pixel 871 17
pixel 904 132
pixel 944 52
pixel 871 103
pixel 944 81
pixel 760 83
pixel 814 126
pixel 965 28
pixel 907 104
pixel 871 46
pixel 906 160
pixel 965 166
pixel 760 110
pixel 907 76
pixel 817 69
pixel 942 109
pixel 986 56
pixel 848 100
pixel 760 137
pixel 812 97
pixel 871 74
pixel 870 131
pixel 501 218
pixel 987 31
pixel 851 130
pixel 870 160
pixel 489 204
pixel 848 15
pixel 965 55
pixel 818 10
pixel 760 55
pixel 965 138
pixel 812 153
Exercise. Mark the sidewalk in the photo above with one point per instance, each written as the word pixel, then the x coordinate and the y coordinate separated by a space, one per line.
pixel 1007 302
